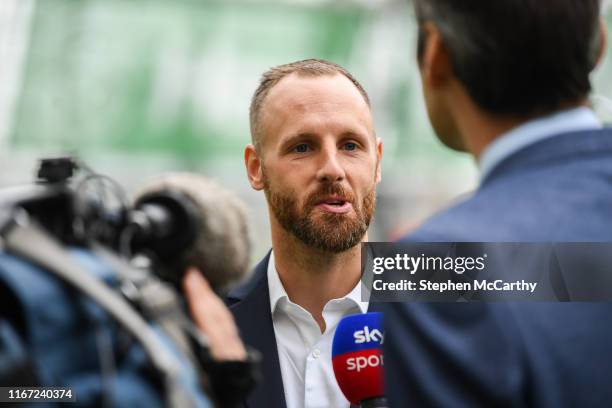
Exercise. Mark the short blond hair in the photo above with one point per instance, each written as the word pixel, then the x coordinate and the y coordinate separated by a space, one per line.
pixel 305 68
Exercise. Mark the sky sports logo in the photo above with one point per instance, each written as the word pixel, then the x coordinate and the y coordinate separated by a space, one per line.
pixel 369 336
pixel 357 353
pixel 362 362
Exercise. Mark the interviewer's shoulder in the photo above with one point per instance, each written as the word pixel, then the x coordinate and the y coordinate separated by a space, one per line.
pixel 455 224
pixel 481 217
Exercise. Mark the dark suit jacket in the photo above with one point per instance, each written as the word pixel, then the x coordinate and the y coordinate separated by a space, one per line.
pixel 514 354
pixel 250 305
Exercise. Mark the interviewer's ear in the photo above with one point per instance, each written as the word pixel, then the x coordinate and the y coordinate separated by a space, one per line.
pixel 435 63
pixel 253 165
pixel 603 42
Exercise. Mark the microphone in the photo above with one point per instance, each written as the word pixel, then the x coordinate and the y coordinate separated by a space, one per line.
pixel 357 358
pixel 184 219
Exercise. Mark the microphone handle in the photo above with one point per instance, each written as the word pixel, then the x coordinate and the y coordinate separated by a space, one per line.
pixel 376 402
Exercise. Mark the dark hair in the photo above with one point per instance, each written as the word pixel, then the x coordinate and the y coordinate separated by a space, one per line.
pixel 518 57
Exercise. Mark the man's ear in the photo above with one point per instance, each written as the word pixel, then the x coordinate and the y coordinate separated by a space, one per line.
pixel 253 165
pixel 435 64
pixel 379 152
pixel 603 42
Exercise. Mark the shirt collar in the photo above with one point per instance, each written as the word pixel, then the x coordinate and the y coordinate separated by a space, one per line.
pixel 275 286
pixel 278 292
pixel 572 120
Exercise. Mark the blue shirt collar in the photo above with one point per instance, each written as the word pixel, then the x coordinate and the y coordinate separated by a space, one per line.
pixel 573 120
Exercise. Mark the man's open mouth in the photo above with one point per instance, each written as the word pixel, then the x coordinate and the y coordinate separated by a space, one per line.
pixel 335 202
pixel 336 205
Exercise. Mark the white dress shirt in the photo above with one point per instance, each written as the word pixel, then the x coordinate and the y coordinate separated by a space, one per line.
pixel 304 353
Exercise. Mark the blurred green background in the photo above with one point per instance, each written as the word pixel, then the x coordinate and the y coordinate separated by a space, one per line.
pixel 137 88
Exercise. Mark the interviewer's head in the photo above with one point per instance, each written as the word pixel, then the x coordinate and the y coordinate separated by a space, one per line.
pixel 314 153
pixel 514 59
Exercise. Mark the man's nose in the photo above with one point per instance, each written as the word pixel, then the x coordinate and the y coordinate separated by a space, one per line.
pixel 330 168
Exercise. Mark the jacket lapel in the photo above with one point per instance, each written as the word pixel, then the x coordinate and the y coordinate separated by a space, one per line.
pixel 375 307
pixel 250 305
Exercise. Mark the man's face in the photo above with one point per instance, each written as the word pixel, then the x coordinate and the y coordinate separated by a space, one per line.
pixel 320 160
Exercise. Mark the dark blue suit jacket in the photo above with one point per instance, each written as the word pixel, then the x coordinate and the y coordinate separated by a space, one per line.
pixel 514 354
pixel 250 305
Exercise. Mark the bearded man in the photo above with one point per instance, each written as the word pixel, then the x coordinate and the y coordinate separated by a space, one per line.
pixel 317 159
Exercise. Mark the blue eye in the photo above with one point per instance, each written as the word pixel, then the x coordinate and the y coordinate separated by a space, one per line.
pixel 301 148
pixel 350 146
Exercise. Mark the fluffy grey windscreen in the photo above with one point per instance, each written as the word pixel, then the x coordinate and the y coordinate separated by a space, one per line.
pixel 223 246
